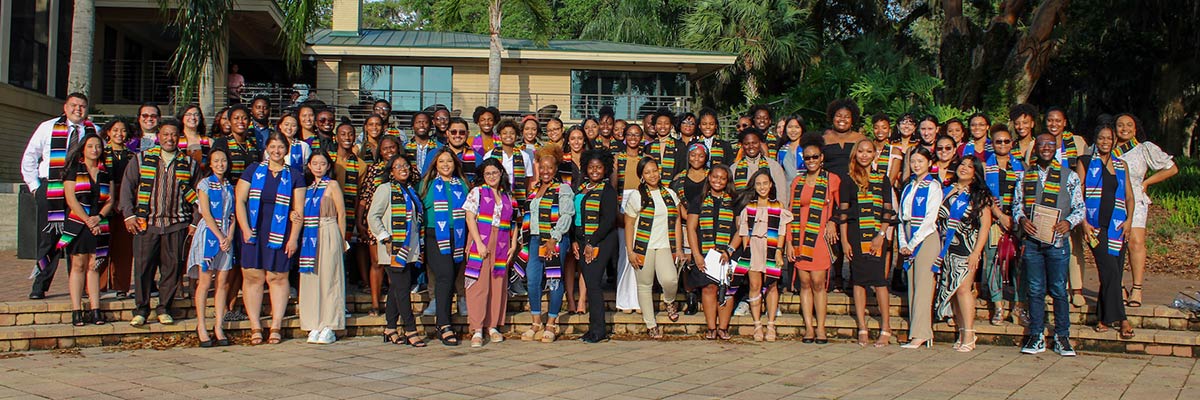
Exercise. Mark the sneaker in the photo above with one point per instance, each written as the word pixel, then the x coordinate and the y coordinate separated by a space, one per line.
pixel 312 336
pixel 462 306
pixel 431 309
pixel 326 336
pixel 137 321
pixel 1062 346
pixel 742 309
pixel 1034 345
pixel 495 336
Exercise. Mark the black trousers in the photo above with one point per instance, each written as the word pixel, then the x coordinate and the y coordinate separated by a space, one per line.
pixel 445 272
pixel 399 304
pixel 593 275
pixel 1109 305
pixel 157 252
pixel 45 243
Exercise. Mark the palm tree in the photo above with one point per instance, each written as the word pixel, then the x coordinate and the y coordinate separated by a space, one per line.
pixel 83 34
pixel 763 33
pixel 454 12
pixel 201 25
pixel 651 22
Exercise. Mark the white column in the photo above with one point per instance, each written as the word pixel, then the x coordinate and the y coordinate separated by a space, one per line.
pixel 5 41
pixel 52 51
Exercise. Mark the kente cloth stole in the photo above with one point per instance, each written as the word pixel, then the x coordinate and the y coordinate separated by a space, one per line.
pixel 806 239
pixel 148 170
pixel 1093 194
pixel 1050 188
pixel 645 221
pixel 742 173
pixel 405 205
pixel 279 213
pixel 716 222
pixel 870 211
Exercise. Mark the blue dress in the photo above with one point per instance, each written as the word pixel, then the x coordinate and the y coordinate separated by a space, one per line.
pixel 258 255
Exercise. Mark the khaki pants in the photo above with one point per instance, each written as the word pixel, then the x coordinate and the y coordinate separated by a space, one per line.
pixel 921 285
pixel 658 263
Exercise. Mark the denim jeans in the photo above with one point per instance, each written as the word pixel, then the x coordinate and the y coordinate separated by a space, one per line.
pixel 535 273
pixel 1046 271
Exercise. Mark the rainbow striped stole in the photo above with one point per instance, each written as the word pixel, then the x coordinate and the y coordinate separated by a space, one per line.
pixel 806 239
pixel 716 222
pixel 773 212
pixel 1094 193
pixel 148 170
pixel 405 205
pixel 92 194
pixel 182 143
pixel 742 172
pixel 870 210
pixel 1048 193
pixel 468 156
pixel 309 234
pixel 645 221
pixel 486 220
pixel 482 141
pixel 55 197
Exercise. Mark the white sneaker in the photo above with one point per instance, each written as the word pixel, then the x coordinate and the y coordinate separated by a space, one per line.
pixel 313 335
pixel 778 313
pixel 326 337
pixel 742 309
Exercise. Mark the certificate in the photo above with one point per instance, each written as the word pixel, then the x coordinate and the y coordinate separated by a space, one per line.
pixel 1044 219
pixel 713 267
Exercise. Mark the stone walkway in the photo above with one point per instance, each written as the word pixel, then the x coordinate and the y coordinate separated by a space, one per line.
pixel 362 368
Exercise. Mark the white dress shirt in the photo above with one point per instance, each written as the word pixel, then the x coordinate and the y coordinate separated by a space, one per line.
pixel 35 163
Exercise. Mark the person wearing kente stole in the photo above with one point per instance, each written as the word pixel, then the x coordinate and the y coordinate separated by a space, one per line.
pixel 211 250
pixel 1108 197
pixel 980 143
pixel 816 195
pixel 85 232
pixel 377 173
pixel 42 170
pixel 689 185
pixel 531 133
pixel 158 210
pixel 1070 148
pixel 485 139
pixel 347 167
pixel 963 219
pixel 490 211
pixel 119 273
pixel 652 222
pixel 762 227
pixel 710 226
pixel 594 243
pixel 1147 165
pixel 241 146
pixel 547 222
pixel 322 304
pixel 664 147
pixel 1046 186
pixel 719 150
pixel 456 142
pixel 865 226
pixel 624 174
pixel 625 181
pixel 517 163
pixel 1002 173
pixel 443 192
pixel 919 245
pixel 395 224
pixel 267 195
pixel 1022 118
pixel 421 148
pixel 753 159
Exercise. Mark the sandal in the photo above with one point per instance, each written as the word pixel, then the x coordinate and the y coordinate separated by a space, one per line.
pixel 863 337
pixel 256 337
pixel 1126 330
pixel 723 334
pixel 967 346
pixel 532 332
pixel 1100 327
pixel 374 312
pixel 1077 299
pixel 413 339
pixel 392 337
pixel 447 336
pixel 770 336
pixel 275 337
pixel 672 312
pixel 710 334
pixel 477 339
pixel 997 313
pixel 1131 302
pixel 550 333
pixel 883 340
pixel 77 318
pixel 758 332
pixel 655 332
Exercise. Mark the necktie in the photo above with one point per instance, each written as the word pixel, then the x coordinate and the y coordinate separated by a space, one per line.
pixel 73 137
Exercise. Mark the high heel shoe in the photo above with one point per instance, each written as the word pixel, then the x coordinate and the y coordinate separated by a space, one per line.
pixel 967 346
pixel 863 336
pixel 883 340
pixel 958 340
pixel 917 343
pixel 77 318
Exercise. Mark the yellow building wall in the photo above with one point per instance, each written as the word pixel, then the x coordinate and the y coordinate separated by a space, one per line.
pixel 23 110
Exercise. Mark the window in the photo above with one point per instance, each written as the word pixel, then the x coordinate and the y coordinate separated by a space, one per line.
pixel 408 88
pixel 30 44
pixel 630 94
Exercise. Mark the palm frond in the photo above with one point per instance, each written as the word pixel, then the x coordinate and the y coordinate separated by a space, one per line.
pixel 298 20
pixel 201 27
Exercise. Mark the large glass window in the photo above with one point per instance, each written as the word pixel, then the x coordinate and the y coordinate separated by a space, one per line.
pixel 630 94
pixel 29 31
pixel 408 88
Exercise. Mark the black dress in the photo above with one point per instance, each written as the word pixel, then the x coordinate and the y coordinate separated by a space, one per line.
pixel 865 270
pixel 837 159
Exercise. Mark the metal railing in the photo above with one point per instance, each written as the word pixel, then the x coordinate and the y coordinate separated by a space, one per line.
pixel 136 81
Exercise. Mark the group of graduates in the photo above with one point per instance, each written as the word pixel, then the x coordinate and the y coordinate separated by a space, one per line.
pixel 942 210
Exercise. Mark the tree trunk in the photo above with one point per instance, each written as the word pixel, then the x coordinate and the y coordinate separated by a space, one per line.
pixel 751 91
pixel 955 55
pixel 83 29
pixel 1033 51
pixel 493 97
pixel 1170 130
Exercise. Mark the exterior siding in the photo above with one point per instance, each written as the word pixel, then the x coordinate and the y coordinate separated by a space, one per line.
pixel 23 110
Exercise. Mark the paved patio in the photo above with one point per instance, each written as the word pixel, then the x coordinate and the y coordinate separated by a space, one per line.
pixel 367 368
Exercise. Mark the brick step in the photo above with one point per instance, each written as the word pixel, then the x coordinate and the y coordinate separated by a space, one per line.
pixel 55 311
pixel 623 326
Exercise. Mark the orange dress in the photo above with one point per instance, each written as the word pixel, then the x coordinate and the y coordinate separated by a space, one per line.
pixel 822 256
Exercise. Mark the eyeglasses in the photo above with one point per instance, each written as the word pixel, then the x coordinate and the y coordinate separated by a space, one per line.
pixel 812 157
pixel 492 173
pixel 149 115
pixel 688 123
pixel 945 148
pixel 191 114
pixel 456 132
pixel 1002 141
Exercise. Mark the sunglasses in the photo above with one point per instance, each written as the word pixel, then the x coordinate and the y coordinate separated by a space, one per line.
pixel 1003 141
pixel 811 158
pixel 149 115
pixel 456 132
pixel 743 125
pixel 945 148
